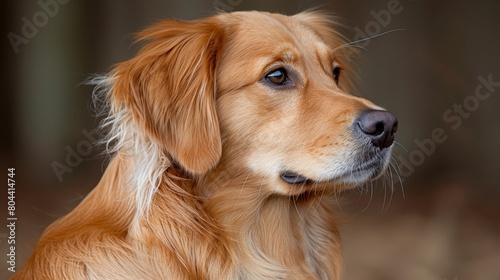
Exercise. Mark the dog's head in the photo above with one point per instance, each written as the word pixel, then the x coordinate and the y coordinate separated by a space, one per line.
pixel 263 92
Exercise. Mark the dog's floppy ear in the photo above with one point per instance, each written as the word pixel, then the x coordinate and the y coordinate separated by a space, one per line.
pixel 169 87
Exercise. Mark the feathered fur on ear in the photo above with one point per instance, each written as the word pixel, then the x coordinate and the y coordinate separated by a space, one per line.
pixel 169 87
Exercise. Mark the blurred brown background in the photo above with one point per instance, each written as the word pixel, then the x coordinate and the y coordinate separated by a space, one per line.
pixel 444 225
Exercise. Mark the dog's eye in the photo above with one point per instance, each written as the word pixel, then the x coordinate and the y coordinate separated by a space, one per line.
pixel 336 74
pixel 277 77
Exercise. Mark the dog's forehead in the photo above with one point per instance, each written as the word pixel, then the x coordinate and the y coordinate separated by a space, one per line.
pixel 256 40
pixel 262 29
pixel 261 37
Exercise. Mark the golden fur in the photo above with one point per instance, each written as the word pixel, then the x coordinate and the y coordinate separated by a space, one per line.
pixel 198 139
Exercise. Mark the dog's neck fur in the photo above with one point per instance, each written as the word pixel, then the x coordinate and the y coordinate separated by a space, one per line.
pixel 241 230
pixel 207 228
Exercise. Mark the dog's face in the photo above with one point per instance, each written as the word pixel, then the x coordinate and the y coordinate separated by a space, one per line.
pixel 265 92
pixel 284 102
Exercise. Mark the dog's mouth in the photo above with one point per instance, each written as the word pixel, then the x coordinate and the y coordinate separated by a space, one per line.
pixel 294 178
pixel 360 174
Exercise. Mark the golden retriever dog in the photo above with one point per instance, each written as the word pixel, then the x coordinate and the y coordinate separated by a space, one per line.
pixel 231 137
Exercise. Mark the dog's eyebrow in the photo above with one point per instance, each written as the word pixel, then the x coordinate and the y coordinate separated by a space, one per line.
pixel 287 56
pixel 325 57
pixel 320 57
pixel 331 54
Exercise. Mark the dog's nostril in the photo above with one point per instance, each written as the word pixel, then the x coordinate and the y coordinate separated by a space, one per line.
pixel 380 126
pixel 395 128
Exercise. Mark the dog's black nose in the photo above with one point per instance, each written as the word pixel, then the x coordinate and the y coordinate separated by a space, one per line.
pixel 380 126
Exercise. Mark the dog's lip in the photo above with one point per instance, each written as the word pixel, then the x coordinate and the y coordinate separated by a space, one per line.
pixel 294 178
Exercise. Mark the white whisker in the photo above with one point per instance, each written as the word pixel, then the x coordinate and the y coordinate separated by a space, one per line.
pixel 353 43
